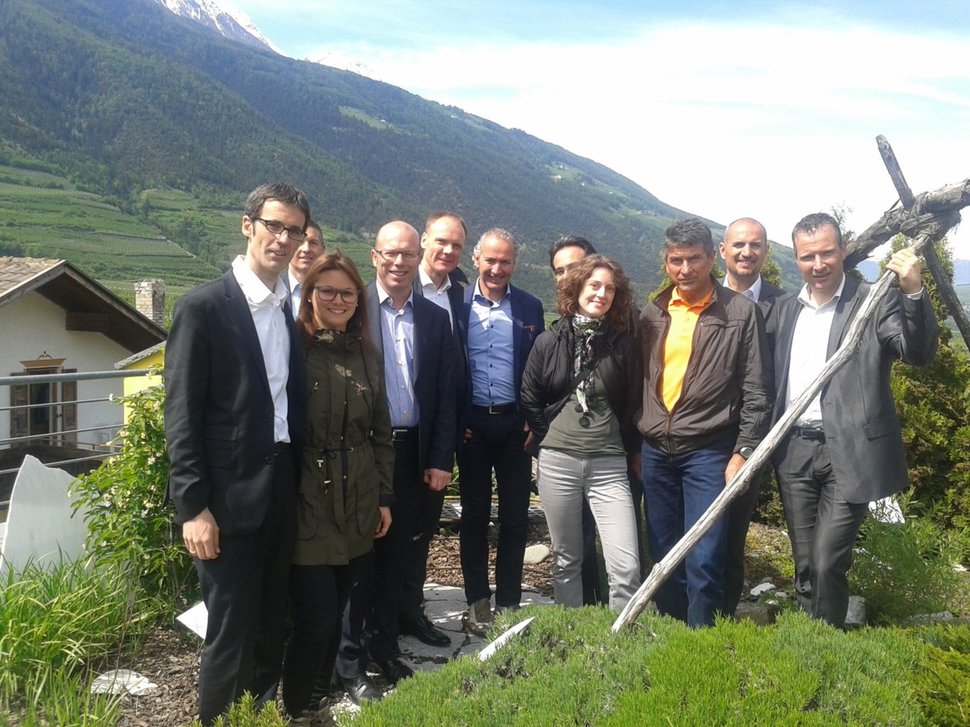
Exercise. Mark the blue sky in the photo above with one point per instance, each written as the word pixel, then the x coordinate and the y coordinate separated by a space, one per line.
pixel 725 109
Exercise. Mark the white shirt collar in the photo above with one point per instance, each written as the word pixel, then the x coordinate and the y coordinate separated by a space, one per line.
pixel 426 281
pixel 253 288
pixel 754 292
pixel 383 295
pixel 806 299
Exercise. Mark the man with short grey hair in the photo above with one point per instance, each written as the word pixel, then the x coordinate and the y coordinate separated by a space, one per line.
pixel 503 322
pixel 306 254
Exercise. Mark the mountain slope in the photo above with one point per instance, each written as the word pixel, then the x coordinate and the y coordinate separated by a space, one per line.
pixel 123 96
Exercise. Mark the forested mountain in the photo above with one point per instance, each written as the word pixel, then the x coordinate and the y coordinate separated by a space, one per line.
pixel 121 96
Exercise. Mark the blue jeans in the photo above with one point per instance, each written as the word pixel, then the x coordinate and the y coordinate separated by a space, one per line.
pixel 678 489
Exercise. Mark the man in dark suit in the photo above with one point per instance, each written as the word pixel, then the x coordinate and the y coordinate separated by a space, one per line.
pixel 846 449
pixel 503 323
pixel 233 423
pixel 744 250
pixel 439 278
pixel 418 349
pixel 312 247
pixel 442 282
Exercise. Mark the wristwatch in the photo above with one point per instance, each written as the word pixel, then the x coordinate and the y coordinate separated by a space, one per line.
pixel 746 452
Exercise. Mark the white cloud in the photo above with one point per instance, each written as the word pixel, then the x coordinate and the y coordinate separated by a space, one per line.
pixel 772 118
pixel 726 120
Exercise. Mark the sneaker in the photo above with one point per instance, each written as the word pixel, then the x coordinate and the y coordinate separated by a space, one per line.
pixel 479 618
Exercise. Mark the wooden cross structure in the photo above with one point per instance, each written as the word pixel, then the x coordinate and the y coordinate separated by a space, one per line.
pixel 927 218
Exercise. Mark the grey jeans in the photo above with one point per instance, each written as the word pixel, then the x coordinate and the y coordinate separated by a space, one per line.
pixel 564 480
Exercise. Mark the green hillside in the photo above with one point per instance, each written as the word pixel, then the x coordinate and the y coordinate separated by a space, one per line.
pixel 172 124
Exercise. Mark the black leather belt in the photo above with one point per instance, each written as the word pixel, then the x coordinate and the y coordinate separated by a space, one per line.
pixel 816 434
pixel 403 434
pixel 494 409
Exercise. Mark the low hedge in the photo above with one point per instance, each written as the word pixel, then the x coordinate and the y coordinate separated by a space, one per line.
pixel 568 669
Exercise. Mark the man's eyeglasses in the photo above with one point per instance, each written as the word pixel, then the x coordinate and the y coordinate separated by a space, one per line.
pixel 327 294
pixel 296 234
pixel 391 255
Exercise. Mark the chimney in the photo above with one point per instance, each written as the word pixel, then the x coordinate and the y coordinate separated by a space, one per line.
pixel 150 299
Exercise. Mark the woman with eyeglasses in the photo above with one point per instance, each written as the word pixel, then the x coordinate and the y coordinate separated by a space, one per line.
pixel 581 389
pixel 345 492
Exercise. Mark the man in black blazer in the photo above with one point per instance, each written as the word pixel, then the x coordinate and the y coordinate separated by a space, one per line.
pixel 503 323
pixel 744 250
pixel 846 449
pixel 233 424
pixel 418 350
pixel 442 282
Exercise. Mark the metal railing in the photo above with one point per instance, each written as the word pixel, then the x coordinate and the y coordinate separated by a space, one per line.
pixel 52 437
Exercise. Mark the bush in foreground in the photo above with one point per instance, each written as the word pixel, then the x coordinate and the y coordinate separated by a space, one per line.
pixel 57 625
pixel 905 569
pixel 128 519
pixel 568 669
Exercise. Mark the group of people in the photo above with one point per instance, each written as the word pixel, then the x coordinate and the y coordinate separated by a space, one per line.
pixel 312 424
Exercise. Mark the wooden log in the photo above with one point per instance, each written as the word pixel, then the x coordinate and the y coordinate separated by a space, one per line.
pixel 938 211
pixel 929 252
pixel 738 484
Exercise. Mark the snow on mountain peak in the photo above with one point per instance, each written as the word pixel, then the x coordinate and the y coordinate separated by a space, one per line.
pixel 229 23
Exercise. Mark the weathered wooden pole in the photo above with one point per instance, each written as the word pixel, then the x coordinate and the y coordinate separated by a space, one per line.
pixel 738 484
pixel 929 252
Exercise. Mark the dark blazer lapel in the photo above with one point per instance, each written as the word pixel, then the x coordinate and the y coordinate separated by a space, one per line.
pixel 518 330
pixel 844 313
pixel 242 318
pixel 419 341
pixel 787 317
pixel 374 317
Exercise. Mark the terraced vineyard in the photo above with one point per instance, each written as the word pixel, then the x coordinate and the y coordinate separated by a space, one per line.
pixel 45 216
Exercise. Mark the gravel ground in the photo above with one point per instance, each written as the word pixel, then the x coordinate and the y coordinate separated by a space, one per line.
pixel 170 659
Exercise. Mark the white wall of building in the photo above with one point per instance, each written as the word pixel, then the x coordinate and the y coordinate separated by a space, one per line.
pixel 32 325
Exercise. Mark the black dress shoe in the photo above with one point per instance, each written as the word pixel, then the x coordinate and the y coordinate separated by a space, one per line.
pixel 361 689
pixel 425 631
pixel 393 669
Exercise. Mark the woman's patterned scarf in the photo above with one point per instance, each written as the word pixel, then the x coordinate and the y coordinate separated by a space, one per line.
pixel 586 332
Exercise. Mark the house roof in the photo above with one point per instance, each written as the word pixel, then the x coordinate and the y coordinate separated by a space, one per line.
pixel 88 304
pixel 140 356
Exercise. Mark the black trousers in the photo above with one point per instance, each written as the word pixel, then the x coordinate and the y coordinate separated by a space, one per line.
pixel 320 595
pixel 739 519
pixel 822 526
pixel 245 592
pixel 496 444
pixel 416 569
pixel 393 554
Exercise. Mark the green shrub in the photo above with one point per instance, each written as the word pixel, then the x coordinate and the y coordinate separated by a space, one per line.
pixel 55 623
pixel 244 713
pixel 128 520
pixel 942 680
pixel 933 402
pixel 904 569
pixel 568 669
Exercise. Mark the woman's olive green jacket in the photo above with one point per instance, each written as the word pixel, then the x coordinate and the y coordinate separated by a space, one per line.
pixel 348 457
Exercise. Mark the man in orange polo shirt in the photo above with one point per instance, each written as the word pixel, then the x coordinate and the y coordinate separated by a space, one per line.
pixel 705 408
